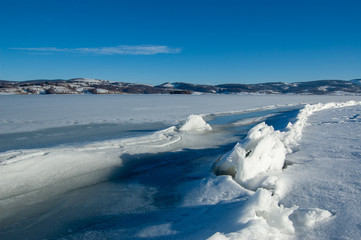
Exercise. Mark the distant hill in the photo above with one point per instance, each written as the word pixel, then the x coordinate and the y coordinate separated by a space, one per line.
pixel 97 86
pixel 357 81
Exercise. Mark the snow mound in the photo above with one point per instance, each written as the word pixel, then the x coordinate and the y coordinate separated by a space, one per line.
pixel 213 191
pixel 263 218
pixel 262 206
pixel 195 123
pixel 260 152
pixel 309 217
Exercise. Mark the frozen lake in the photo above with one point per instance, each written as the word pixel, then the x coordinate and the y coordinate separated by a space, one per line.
pixel 110 167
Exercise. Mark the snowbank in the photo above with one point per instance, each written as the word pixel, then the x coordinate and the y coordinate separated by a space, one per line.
pixel 195 123
pixel 256 164
pixel 294 134
pixel 262 218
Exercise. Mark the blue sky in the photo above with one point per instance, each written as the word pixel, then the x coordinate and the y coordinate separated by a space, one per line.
pixel 209 42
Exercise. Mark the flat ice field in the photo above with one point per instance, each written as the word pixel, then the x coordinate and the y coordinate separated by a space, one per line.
pixel 180 167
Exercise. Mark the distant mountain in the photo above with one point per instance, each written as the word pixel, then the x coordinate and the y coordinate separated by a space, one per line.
pixel 75 86
pixel 97 86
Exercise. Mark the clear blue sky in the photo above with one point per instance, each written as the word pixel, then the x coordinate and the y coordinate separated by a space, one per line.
pixel 210 42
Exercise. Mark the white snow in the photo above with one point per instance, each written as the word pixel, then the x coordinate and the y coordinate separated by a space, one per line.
pixel 262 218
pixel 88 80
pixel 315 198
pixel 323 88
pixel 211 191
pixel 260 152
pixel 309 217
pixel 253 163
pixel 195 123
pixel 326 174
pixel 102 91
pixel 168 85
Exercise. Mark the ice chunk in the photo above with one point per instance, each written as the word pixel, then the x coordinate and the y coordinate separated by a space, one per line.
pixel 195 123
pixel 260 152
pixel 263 205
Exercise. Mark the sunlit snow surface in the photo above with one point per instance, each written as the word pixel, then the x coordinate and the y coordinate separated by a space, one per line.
pixel 143 167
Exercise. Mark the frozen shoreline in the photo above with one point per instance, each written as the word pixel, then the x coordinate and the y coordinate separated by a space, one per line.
pixel 256 164
pixel 50 166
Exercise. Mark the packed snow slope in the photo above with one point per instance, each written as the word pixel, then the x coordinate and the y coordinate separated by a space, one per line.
pixel 326 173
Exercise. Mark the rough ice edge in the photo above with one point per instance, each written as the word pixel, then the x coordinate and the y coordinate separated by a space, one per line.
pixel 263 217
pixel 55 165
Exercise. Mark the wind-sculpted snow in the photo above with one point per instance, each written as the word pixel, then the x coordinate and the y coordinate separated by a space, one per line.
pixel 256 163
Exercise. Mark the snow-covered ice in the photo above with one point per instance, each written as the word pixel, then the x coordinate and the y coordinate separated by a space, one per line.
pixel 29 113
pixel 284 180
pixel 326 174
pixel 256 163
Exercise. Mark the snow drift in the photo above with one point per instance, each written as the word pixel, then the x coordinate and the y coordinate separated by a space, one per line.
pixel 256 163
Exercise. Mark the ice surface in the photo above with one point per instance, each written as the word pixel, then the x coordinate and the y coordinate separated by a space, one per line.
pixel 30 113
pixel 25 171
pixel 170 179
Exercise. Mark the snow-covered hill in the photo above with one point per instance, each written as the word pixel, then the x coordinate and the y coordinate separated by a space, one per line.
pixel 75 86
pixel 96 86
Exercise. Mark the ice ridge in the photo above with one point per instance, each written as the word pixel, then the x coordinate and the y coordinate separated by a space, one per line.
pixel 256 163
